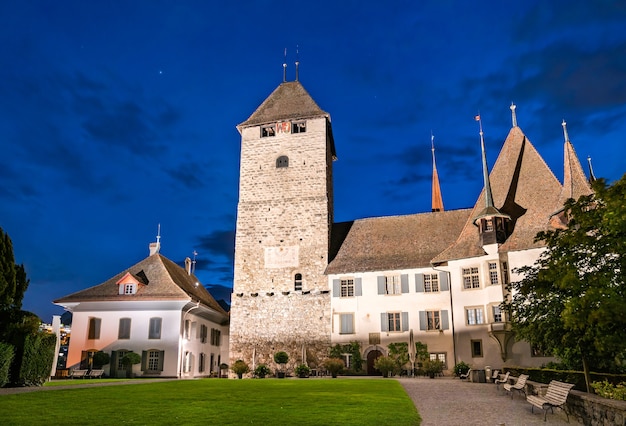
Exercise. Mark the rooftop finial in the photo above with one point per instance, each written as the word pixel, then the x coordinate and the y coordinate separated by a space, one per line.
pixel 437 199
pixel 155 247
pixel 285 67
pixel 513 116
pixel 592 176
pixel 565 135
pixel 297 62
pixel 193 262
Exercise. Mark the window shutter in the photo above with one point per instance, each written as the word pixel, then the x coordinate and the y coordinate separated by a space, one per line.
pixel 336 288
pixel 144 360
pixel 444 320
pixel 423 321
pixel 419 283
pixel 161 358
pixel 404 283
pixel 405 321
pixel 444 285
pixel 98 322
pixel 381 285
pixel 346 323
pixel 384 322
pixel 358 288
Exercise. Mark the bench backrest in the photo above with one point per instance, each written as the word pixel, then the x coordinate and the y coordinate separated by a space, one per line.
pixel 557 392
pixel 521 382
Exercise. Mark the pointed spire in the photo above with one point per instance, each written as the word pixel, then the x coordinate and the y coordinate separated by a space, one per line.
pixel 155 247
pixel 285 67
pixel 437 200
pixel 488 196
pixel 565 135
pixel 513 115
pixel 297 63
pixel 592 176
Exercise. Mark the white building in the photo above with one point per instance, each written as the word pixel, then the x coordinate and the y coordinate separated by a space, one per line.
pixel 156 309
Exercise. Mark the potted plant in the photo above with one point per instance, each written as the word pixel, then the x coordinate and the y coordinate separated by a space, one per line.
pixel 128 360
pixel 334 366
pixel 432 367
pixel 261 371
pixel 281 359
pixel 303 371
pixel 240 368
pixel 386 365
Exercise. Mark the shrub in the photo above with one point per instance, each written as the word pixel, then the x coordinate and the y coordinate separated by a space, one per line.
pixel 6 357
pixel 130 359
pixel 36 359
pixel 461 368
pixel 281 357
pixel 610 391
pixel 240 368
pixel 433 367
pixel 261 371
pixel 101 358
pixel 386 365
pixel 334 366
pixel 303 370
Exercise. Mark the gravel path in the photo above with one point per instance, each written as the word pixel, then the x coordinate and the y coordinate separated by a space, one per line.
pixel 451 402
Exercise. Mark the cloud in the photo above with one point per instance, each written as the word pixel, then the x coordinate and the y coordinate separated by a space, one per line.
pixel 219 243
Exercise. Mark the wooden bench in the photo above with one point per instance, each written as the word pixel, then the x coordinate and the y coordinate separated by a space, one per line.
pixel 556 396
pixel 95 374
pixel 503 380
pixel 519 386
pixel 78 374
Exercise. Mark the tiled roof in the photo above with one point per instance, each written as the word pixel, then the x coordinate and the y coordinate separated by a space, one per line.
pixel 165 280
pixel 524 188
pixel 575 181
pixel 394 242
pixel 289 101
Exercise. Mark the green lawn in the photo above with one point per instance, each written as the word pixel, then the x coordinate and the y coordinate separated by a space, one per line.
pixel 217 402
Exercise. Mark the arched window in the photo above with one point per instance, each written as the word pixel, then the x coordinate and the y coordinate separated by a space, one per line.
pixel 282 161
pixel 297 282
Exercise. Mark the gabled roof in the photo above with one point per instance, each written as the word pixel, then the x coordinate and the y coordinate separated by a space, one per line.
pixel 394 242
pixel 164 279
pixel 289 101
pixel 524 188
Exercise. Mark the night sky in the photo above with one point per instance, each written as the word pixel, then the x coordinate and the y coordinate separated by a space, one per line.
pixel 117 116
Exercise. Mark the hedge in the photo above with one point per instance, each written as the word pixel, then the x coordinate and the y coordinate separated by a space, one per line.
pixel 545 375
pixel 6 357
pixel 36 363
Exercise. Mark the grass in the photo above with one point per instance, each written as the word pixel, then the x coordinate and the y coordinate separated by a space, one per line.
pixel 215 401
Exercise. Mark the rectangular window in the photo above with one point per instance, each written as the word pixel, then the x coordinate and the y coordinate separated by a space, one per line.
pixel 268 131
pixel 154 331
pixel 394 321
pixel 346 323
pixel 203 333
pixel 470 278
pixel 433 318
pixel 392 284
pixel 94 328
pixel 129 288
pixel 488 225
pixel 493 273
pixel 201 362
pixel 124 329
pixel 347 287
pixel 431 283
pixel 153 359
pixel 497 314
pixel 477 348
pixel 474 316
pixel 298 127
pixel 215 337
pixel 440 356
pixel 120 356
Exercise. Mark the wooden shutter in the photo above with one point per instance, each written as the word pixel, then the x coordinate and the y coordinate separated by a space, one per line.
pixel 419 283
pixel 346 323
pixel 336 288
pixel 405 321
pixel 444 285
pixel 161 359
pixel 423 320
pixel 444 320
pixel 144 361
pixel 381 284
pixel 384 322
pixel 404 283
pixel 358 288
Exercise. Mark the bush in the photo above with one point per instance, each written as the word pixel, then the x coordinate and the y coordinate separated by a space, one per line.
pixel 281 357
pixel 461 368
pixel 240 368
pixel 610 391
pixel 433 367
pixel 261 371
pixel 386 365
pixel 130 359
pixel 334 366
pixel 101 358
pixel 6 357
pixel 303 370
pixel 36 362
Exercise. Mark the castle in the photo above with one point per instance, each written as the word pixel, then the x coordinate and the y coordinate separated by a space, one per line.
pixel 303 283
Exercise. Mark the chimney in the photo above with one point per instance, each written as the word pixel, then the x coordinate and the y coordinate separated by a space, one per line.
pixel 188 265
pixel 154 248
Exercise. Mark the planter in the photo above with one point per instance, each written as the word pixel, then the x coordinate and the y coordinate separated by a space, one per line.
pixel 280 374
pixel 303 375
pixel 240 375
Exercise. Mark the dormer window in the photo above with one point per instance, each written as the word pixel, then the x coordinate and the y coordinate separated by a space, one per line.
pixel 282 161
pixel 129 283
pixel 130 288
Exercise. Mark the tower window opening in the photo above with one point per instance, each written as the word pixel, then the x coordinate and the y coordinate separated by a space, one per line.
pixel 282 161
pixel 297 282
pixel 298 127
pixel 268 131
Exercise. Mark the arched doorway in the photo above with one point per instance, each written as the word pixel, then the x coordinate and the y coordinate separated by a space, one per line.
pixel 371 357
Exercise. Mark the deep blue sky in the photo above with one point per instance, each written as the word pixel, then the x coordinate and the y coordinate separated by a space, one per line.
pixel 116 116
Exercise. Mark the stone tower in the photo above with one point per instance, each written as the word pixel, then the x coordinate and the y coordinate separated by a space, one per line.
pixel 281 297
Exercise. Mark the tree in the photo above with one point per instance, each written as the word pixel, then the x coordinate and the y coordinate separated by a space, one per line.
pixel 572 301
